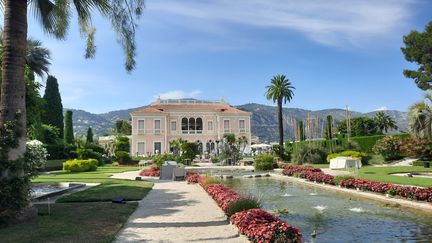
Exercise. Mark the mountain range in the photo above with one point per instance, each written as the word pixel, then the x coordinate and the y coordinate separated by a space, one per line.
pixel 264 120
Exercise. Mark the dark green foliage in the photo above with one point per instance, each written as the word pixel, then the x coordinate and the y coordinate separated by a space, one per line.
pixel 308 153
pixel 360 126
pixel 123 127
pixel 418 46
pixel 242 204
pixel 328 132
pixel 161 158
pixel 190 151
pixel 302 135
pixel 53 105
pixel 123 157
pixel 50 134
pixel 122 144
pixel 68 132
pixel 89 137
pixel 85 153
pixel 77 165
pixel 34 106
pixel 263 162
pixel 366 143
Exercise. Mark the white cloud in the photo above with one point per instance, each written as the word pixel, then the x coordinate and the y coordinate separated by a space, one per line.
pixel 330 22
pixel 382 108
pixel 179 94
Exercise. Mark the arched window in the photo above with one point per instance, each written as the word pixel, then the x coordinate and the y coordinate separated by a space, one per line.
pixel 212 146
pixel 199 125
pixel 192 125
pixel 184 125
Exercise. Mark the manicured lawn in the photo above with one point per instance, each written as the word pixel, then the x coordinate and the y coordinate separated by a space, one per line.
pixel 109 188
pixel 72 222
pixel 383 174
pixel 89 218
pixel 129 190
pixel 100 175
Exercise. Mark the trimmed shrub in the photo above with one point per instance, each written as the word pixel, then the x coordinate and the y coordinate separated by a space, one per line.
pixel 389 147
pixel 77 165
pixel 242 204
pixel 338 179
pixel 348 153
pixel 123 157
pixel 264 162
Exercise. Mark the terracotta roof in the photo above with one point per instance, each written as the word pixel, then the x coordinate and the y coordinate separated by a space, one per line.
pixel 162 108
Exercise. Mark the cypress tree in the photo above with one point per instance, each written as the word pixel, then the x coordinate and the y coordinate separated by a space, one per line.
pixel 301 131
pixel 89 138
pixel 329 128
pixel 53 114
pixel 68 129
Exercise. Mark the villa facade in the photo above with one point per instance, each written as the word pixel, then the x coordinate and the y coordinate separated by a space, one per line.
pixel 205 122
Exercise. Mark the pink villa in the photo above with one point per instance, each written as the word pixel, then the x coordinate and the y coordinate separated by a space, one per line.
pixel 205 122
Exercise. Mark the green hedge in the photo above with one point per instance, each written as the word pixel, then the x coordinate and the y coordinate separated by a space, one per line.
pixel 421 163
pixel 348 153
pixel 366 143
pixel 51 165
pixel 77 165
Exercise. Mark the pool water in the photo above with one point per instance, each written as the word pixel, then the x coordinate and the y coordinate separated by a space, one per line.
pixel 336 217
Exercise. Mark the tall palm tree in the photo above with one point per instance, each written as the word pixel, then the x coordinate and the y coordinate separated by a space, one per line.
pixel 54 17
pixel 37 57
pixel 384 122
pixel 280 90
pixel 420 117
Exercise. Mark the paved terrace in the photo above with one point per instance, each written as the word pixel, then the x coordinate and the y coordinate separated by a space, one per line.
pixel 176 212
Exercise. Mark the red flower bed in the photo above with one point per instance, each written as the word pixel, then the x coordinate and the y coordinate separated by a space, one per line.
pixel 192 178
pixel 261 226
pixel 421 194
pixel 222 194
pixel 297 169
pixel 315 174
pixel 319 177
pixel 153 171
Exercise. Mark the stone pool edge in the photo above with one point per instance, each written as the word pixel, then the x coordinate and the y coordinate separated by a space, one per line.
pixel 417 205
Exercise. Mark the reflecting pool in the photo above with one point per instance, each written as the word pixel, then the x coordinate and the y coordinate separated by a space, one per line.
pixel 337 217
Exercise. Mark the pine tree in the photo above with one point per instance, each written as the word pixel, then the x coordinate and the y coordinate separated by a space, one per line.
pixel 53 114
pixel 68 129
pixel 89 138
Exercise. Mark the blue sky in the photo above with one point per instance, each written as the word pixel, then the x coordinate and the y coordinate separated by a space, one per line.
pixel 335 52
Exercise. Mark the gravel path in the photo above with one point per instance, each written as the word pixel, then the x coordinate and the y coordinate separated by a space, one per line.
pixel 177 212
